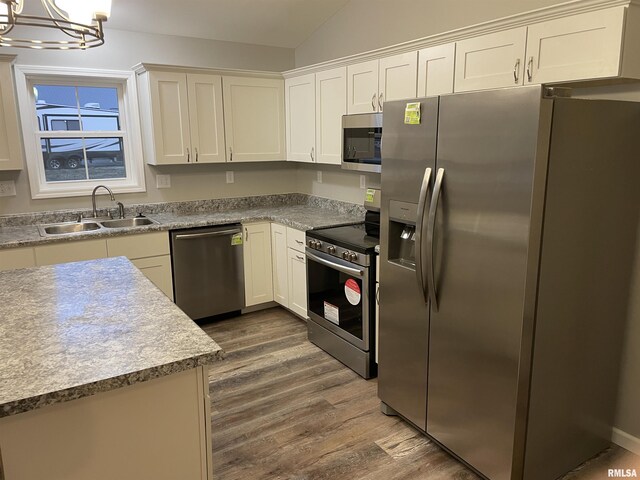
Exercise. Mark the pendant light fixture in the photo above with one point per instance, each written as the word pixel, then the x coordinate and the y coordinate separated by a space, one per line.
pixel 79 20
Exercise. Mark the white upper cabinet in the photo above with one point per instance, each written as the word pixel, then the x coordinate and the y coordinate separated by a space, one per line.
pixel 582 46
pixel 370 84
pixel 331 105
pixel 206 117
pixel 435 70
pixel 254 119
pixel 300 110
pixel 362 87
pixel 397 77
pixel 186 118
pixel 10 146
pixel 491 61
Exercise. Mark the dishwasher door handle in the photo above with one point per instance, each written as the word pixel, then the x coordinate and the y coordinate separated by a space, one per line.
pixel 219 233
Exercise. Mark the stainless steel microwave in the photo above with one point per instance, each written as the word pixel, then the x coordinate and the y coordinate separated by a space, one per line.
pixel 362 142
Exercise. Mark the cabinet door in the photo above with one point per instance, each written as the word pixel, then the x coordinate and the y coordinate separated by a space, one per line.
pixel 170 114
pixel 331 105
pixel 254 119
pixel 158 270
pixel 297 282
pixel 362 87
pixel 578 47
pixel 258 279
pixel 279 262
pixel 435 70
pixel 491 61
pixel 205 118
pixel 139 246
pixel 12 258
pixel 398 76
pixel 300 110
pixel 70 252
pixel 10 146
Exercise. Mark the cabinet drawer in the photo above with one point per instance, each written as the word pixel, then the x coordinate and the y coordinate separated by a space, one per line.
pixel 158 270
pixel 139 246
pixel 13 258
pixel 70 252
pixel 295 239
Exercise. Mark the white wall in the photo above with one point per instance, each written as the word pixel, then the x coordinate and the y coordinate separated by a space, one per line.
pixel 363 25
pixel 343 185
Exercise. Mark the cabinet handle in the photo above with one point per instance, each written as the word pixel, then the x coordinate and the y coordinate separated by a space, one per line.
pixel 299 242
pixel 516 73
pixel 230 154
pixel 188 156
pixel 311 154
pixel 246 234
pixel 300 258
pixel 373 102
pixel 380 97
pixel 196 149
pixel 530 69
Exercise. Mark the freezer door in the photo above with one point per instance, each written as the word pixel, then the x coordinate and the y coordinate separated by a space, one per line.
pixel 408 152
pixel 487 145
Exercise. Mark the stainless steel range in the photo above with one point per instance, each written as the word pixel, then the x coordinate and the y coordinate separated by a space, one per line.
pixel 341 265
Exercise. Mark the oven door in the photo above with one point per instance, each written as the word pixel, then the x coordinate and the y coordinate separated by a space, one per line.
pixel 362 142
pixel 338 297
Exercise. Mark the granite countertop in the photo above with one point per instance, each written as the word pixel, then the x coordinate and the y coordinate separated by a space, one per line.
pixel 302 214
pixel 76 329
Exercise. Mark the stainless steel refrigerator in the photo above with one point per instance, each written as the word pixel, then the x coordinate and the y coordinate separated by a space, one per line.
pixel 507 236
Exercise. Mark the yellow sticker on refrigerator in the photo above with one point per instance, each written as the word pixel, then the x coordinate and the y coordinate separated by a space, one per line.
pixel 412 113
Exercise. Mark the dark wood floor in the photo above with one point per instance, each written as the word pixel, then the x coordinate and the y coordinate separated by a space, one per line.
pixel 284 409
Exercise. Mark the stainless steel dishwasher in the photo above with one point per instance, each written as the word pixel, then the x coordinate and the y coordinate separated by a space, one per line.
pixel 208 271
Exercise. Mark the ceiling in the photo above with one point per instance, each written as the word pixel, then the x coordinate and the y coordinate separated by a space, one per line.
pixel 278 23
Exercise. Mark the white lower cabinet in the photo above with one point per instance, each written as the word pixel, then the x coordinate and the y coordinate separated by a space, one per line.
pixel 258 272
pixel 297 274
pixel 13 258
pixel 279 261
pixel 70 252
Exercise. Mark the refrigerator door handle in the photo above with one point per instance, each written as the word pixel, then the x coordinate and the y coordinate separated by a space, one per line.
pixel 422 207
pixel 433 210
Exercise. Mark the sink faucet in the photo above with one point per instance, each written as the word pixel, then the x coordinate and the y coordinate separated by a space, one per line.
pixel 93 198
pixel 120 209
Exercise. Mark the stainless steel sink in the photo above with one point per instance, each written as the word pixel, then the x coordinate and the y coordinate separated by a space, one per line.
pixel 67 228
pixel 128 222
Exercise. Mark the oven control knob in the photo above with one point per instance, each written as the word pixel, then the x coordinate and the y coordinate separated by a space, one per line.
pixel 318 245
pixel 353 257
pixel 345 255
pixel 331 249
pixel 312 243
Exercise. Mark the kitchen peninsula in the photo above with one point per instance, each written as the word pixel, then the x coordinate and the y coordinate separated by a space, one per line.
pixel 101 377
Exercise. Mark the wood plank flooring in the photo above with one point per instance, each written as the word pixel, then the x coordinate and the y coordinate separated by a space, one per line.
pixel 284 409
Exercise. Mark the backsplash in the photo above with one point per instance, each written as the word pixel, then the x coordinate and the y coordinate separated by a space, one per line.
pixel 186 208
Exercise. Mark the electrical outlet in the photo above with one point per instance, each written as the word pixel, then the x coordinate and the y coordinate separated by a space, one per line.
pixel 363 181
pixel 230 178
pixel 163 181
pixel 319 176
pixel 8 188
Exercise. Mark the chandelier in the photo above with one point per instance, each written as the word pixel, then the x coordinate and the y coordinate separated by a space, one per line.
pixel 80 20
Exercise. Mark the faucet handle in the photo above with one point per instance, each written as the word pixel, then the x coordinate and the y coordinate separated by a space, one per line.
pixel 139 214
pixel 79 218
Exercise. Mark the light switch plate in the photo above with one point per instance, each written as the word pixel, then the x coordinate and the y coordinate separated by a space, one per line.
pixel 230 178
pixel 319 176
pixel 363 181
pixel 8 188
pixel 163 181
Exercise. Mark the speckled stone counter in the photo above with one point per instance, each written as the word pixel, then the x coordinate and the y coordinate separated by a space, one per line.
pixel 302 212
pixel 73 330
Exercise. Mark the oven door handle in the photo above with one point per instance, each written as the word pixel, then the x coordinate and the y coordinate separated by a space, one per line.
pixel 341 268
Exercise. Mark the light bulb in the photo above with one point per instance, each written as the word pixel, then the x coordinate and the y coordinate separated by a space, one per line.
pixel 4 9
pixel 101 8
pixel 78 11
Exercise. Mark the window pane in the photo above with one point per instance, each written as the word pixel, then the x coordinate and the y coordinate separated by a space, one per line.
pixel 63 159
pixel 106 158
pixel 55 103
pixel 99 109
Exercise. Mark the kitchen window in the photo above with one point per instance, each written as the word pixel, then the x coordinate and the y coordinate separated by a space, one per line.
pixel 80 129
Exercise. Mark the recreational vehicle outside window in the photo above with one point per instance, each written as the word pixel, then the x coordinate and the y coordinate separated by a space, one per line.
pixel 80 131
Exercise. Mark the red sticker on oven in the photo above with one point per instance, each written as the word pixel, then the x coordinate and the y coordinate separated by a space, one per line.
pixel 352 291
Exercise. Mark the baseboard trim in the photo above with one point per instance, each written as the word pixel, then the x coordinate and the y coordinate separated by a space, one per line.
pixel 626 440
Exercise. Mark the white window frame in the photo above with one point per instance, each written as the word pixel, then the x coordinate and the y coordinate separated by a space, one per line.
pixel 28 76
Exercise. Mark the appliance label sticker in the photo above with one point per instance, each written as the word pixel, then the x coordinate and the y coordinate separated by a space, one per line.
pixel 236 239
pixel 331 313
pixel 352 291
pixel 370 196
pixel 412 113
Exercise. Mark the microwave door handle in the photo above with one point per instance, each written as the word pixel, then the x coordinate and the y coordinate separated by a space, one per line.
pixel 341 268
pixel 422 208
